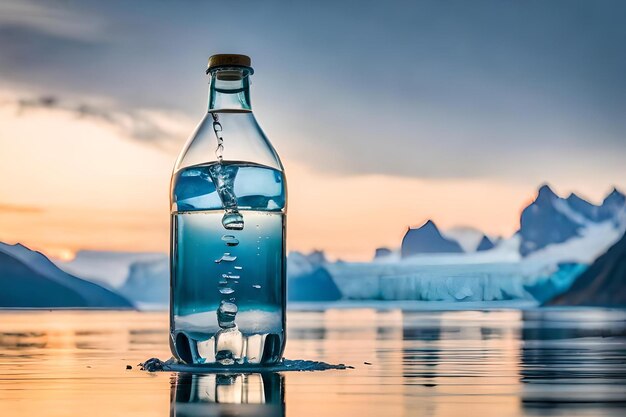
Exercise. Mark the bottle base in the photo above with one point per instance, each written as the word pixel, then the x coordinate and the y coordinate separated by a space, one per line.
pixel 227 347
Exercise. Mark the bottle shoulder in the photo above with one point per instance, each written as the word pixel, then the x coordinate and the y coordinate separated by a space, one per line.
pixel 243 141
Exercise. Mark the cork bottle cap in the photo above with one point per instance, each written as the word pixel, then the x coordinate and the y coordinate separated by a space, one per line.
pixel 229 60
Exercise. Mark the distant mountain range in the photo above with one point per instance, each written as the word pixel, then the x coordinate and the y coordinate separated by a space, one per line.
pixel 557 238
pixel 30 280
pixel 551 219
pixel 548 220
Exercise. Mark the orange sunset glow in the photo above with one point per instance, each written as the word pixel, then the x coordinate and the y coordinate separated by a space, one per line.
pixel 76 183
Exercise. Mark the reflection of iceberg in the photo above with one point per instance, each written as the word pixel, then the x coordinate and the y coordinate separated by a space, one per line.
pixel 228 394
pixel 571 357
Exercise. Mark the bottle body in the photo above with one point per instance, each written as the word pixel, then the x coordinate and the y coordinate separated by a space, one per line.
pixel 228 269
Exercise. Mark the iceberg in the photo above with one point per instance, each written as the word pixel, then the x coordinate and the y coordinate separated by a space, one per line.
pixel 309 280
pixel 482 282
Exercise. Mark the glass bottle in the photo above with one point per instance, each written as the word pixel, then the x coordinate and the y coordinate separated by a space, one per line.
pixel 228 207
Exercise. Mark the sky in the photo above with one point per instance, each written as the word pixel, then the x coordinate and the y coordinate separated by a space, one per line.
pixel 384 114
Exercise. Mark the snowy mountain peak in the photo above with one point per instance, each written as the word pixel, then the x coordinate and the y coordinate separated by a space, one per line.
pixel 427 239
pixel 545 193
pixel 428 225
pixel 616 191
pixel 485 244
pixel 578 204
pixel 575 198
pixel 549 219
pixel 613 207
pixel 615 197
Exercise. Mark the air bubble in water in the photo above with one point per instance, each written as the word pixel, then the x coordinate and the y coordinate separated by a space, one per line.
pixel 230 276
pixel 230 240
pixel 256 286
pixel 232 220
pixel 226 257
pixel 226 313
pixel 239 267
pixel 229 340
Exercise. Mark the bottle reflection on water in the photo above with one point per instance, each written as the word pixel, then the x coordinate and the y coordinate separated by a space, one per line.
pixel 260 395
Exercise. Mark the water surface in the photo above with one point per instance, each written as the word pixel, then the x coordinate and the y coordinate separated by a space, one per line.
pixel 498 363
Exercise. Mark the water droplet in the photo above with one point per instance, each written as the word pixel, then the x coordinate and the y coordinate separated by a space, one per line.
pixel 226 290
pixel 230 240
pixel 232 220
pixel 227 257
pixel 229 276
pixel 226 313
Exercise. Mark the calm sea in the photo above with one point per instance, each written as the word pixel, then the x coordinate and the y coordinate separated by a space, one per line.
pixel 569 362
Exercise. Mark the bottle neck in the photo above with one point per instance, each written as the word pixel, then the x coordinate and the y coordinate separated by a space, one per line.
pixel 229 89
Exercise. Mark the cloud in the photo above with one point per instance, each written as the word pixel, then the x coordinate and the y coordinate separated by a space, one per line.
pixel 420 89
pixel 162 129
pixel 51 19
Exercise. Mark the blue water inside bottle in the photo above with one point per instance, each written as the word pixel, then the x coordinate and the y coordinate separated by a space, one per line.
pixel 228 277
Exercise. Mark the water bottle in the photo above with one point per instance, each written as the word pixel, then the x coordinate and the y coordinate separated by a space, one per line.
pixel 228 208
